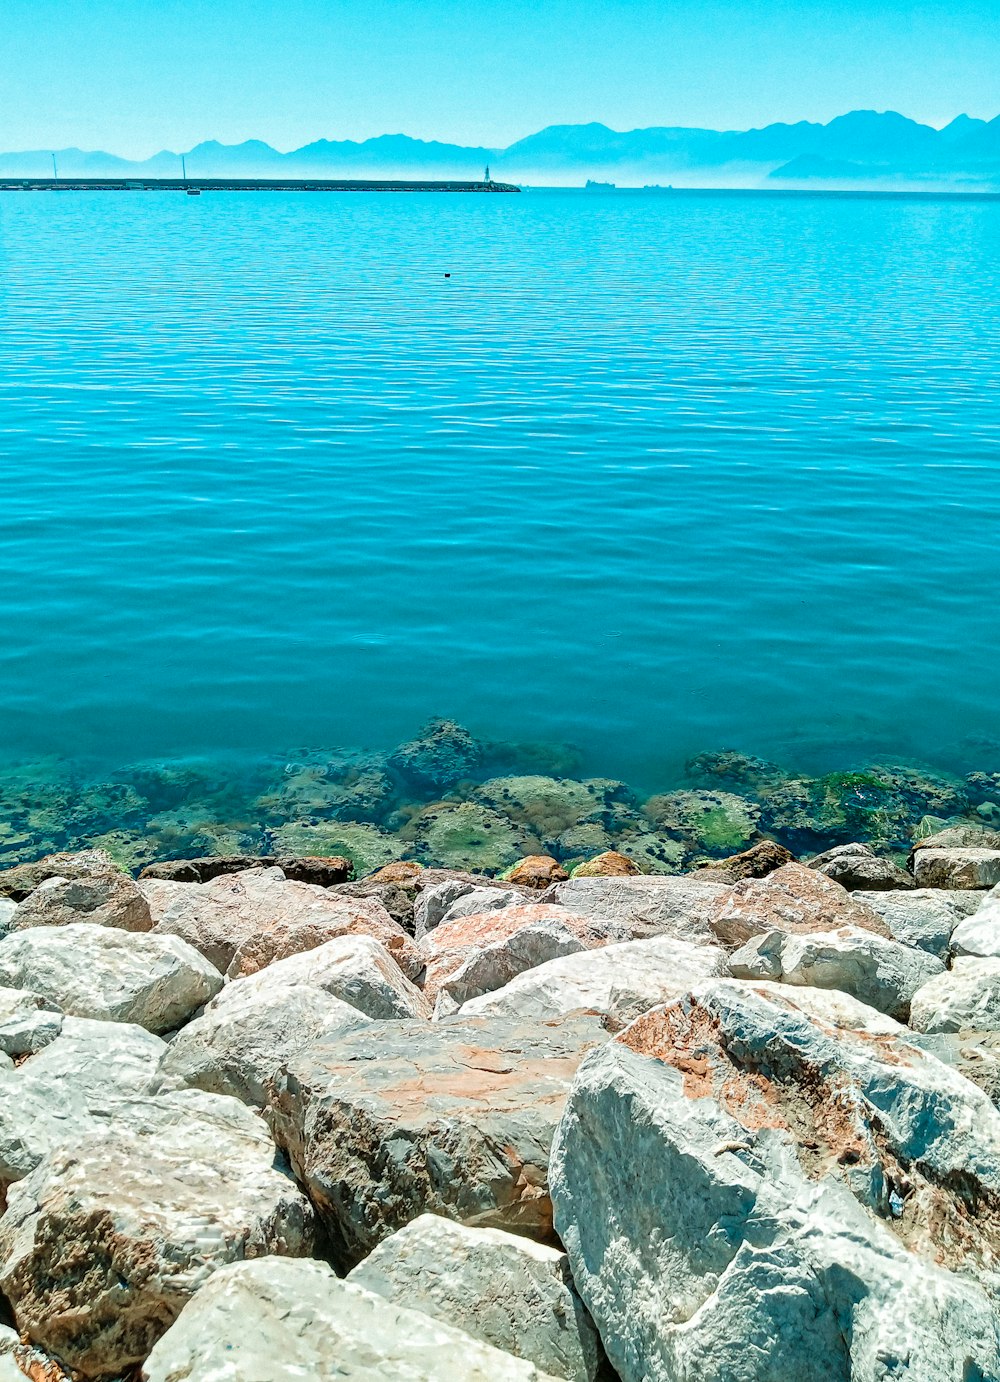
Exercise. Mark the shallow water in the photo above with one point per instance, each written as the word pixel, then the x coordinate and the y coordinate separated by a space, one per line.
pixel 647 473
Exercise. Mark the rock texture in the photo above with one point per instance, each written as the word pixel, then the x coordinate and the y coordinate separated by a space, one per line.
pixel 110 975
pixel 979 933
pixel 18 882
pixel 506 1290
pixel 816 1200
pixel 618 981
pixel 924 918
pixel 244 921
pixel 634 908
pixel 793 898
pixel 105 899
pixel 355 969
pixel 276 1320
pixel 957 868
pixel 238 1047
pixel 497 963
pixel 399 1119
pixel 879 972
pixel 107 1239
pixel 857 867
pixel 966 997
pixel 537 871
pixel 27 1022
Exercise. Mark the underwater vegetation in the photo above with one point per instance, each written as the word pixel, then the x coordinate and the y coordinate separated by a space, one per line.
pixel 449 799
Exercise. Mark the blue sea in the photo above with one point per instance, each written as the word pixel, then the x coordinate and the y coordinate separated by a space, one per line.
pixel 648 473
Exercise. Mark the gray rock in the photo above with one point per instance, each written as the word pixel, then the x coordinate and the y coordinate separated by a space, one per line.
pixel 957 868
pixel 27 1022
pixel 644 906
pixel 7 909
pixel 506 1290
pixel 355 969
pixel 617 981
pixel 280 1320
pixel 433 903
pixel 975 1054
pixel 23 879
pixel 804 1204
pixel 243 922
pixel 502 960
pixel 110 1235
pixel 105 899
pixel 924 918
pixel 110 975
pixel 876 971
pixel 979 933
pixel 792 898
pixel 482 900
pixel 236 1048
pixel 401 1118
pixel 77 1082
pixel 856 867
pixel 965 997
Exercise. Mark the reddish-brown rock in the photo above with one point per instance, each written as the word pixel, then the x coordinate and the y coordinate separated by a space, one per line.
pixel 537 871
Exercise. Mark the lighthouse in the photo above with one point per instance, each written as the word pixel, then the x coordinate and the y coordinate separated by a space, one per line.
pixel 486 177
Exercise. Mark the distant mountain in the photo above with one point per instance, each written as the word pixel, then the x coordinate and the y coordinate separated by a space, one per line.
pixel 863 148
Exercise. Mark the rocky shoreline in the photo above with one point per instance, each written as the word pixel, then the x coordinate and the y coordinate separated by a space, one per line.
pixel 268 1118
pixel 447 799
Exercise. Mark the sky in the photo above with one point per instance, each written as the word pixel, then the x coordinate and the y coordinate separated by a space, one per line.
pixel 135 76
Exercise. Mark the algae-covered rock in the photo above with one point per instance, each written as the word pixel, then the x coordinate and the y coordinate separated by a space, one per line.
pixel 366 846
pixel 465 835
pixel 442 754
pixel 353 790
pixel 718 823
pixel 548 806
pixel 729 768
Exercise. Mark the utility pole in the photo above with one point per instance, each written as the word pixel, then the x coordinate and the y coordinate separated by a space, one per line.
pixel 184 167
pixel 55 168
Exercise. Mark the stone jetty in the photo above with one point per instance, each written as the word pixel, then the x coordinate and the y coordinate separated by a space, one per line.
pixel 263 1118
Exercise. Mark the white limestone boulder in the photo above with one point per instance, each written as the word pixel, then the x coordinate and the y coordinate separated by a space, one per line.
pixel 27 1022
pixel 815 1201
pixel 501 1288
pixel 111 1234
pixel 792 898
pixel 355 969
pixel 100 899
pixel 979 933
pixel 879 972
pixel 500 961
pixel 238 1047
pixel 617 981
pixel 154 980
pixel 479 900
pixel 245 921
pixel 280 1320
pixel 956 868
pixel 639 907
pixel 924 918
pixel 965 997
pixel 7 909
pixel 453 1118
pixel 76 1082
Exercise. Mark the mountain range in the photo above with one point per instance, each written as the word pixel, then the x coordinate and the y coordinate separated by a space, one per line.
pixel 861 149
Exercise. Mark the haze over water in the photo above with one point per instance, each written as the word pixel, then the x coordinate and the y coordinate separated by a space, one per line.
pixel 652 474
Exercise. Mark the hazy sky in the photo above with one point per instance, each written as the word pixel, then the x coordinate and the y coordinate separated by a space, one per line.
pixel 134 76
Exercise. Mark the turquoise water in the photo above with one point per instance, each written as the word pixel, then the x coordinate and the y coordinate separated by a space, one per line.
pixel 650 474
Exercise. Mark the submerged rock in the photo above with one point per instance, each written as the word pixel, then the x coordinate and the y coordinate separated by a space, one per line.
pixel 442 754
pixel 714 822
pixel 401 1118
pixel 465 835
pixel 365 846
pixel 806 1203
pixel 503 1289
pixel 284 1320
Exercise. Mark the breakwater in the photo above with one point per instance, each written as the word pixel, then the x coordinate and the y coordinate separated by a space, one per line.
pixel 242 185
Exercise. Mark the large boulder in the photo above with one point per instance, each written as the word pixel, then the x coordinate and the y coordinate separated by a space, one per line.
pixel 236 1048
pixel 23 879
pixel 279 1320
pixel 78 1081
pixel 323 870
pixel 812 1203
pixel 857 867
pixel 400 1118
pixel 102 899
pixel 504 1289
pixel 924 918
pixel 154 980
pixel 635 908
pixel 114 1231
pixel 500 961
pixel 27 1022
pixel 964 998
pixel 244 921
pixel 537 872
pixel 442 754
pixel 979 932
pixel 618 981
pixel 479 900
pixel 793 898
pixel 879 972
pixel 355 969
pixel 957 868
